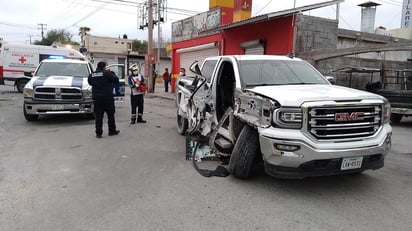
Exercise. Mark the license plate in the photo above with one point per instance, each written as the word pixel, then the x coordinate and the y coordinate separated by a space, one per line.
pixel 57 107
pixel 351 163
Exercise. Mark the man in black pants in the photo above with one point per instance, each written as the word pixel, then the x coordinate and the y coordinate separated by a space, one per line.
pixel 137 90
pixel 102 82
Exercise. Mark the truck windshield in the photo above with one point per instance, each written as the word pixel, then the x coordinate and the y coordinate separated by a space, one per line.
pixel 278 72
pixel 63 69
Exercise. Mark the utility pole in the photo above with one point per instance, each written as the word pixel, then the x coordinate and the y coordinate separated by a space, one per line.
pixel 158 33
pixel 150 45
pixel 30 38
pixel 42 27
pixel 148 18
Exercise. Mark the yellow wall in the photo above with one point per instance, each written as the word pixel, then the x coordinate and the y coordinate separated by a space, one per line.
pixel 223 3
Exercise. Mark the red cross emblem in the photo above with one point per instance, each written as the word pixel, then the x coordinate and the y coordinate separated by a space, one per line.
pixel 22 59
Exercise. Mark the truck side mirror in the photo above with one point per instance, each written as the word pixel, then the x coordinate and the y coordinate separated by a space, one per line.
pixel 195 68
pixel 28 74
pixel 331 79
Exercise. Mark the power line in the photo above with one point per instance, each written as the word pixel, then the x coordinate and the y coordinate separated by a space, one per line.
pixel 66 11
pixel 391 2
pixel 18 25
pixel 119 2
pixel 91 13
pixel 267 4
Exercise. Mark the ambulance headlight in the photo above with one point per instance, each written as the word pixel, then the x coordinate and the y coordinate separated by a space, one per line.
pixel 27 92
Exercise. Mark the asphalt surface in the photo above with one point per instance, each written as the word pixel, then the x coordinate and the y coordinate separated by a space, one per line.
pixel 55 175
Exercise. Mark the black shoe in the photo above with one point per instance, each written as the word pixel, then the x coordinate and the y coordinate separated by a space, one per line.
pixel 141 120
pixel 114 133
pixel 133 122
pixel 98 135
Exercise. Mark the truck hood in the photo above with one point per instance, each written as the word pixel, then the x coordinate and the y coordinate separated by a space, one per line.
pixel 295 95
pixel 59 81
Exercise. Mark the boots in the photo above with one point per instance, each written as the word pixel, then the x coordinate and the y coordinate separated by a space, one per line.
pixel 140 119
pixel 133 119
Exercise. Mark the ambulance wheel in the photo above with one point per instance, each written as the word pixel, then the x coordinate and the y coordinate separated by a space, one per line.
pixel 244 153
pixel 20 85
pixel 28 116
pixel 181 124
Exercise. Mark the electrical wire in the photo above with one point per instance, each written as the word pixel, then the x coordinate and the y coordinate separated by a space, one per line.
pixel 267 4
pixel 103 5
pixel 391 2
pixel 18 25
pixel 118 2
pixel 66 11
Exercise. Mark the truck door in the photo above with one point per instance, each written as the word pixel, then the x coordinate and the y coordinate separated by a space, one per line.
pixel 118 89
pixel 201 102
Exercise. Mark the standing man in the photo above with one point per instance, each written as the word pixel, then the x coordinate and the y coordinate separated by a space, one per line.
pixel 166 79
pixel 137 89
pixel 102 82
pixel 154 76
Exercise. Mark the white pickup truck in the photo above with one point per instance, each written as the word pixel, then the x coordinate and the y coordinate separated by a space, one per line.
pixel 282 111
pixel 59 86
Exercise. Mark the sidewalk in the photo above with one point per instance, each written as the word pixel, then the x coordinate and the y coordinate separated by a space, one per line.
pixel 160 92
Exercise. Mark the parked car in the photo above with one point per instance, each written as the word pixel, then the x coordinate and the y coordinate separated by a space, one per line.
pixel 58 86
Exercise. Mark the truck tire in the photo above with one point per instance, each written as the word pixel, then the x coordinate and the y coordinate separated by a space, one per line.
pixel 20 85
pixel 181 124
pixel 244 153
pixel 396 118
pixel 28 116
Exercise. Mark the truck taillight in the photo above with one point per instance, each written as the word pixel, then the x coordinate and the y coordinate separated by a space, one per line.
pixel 1 71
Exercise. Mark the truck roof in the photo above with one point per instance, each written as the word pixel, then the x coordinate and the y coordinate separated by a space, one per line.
pixel 257 57
pixel 64 61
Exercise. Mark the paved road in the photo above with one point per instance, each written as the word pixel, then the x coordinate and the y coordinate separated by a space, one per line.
pixel 55 175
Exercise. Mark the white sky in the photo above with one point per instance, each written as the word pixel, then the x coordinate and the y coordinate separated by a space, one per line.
pixel 19 19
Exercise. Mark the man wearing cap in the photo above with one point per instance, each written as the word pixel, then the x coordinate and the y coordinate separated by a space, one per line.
pixel 102 82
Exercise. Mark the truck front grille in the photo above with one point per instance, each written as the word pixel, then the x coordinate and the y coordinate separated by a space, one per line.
pixel 344 122
pixel 54 93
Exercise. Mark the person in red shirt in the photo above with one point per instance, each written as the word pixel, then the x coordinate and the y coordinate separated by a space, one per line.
pixel 166 79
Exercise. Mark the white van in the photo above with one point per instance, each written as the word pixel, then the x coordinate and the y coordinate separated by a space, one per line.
pixel 15 59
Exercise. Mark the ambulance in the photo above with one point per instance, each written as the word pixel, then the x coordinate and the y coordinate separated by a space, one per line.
pixel 15 59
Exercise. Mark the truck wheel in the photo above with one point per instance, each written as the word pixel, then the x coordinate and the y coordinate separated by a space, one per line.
pixel 396 118
pixel 244 153
pixel 28 116
pixel 181 124
pixel 20 85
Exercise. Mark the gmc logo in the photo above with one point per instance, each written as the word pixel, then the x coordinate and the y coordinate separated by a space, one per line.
pixel 346 116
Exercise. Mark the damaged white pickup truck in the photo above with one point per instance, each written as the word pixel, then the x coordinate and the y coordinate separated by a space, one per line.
pixel 282 111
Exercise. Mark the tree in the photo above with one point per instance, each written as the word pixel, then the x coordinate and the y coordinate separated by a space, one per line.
pixel 61 36
pixel 139 45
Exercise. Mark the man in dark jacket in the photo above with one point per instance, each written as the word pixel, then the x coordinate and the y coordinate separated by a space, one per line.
pixel 102 82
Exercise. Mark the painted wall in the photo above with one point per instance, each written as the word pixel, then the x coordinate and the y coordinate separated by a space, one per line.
pixel 227 9
pixel 175 65
pixel 278 34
